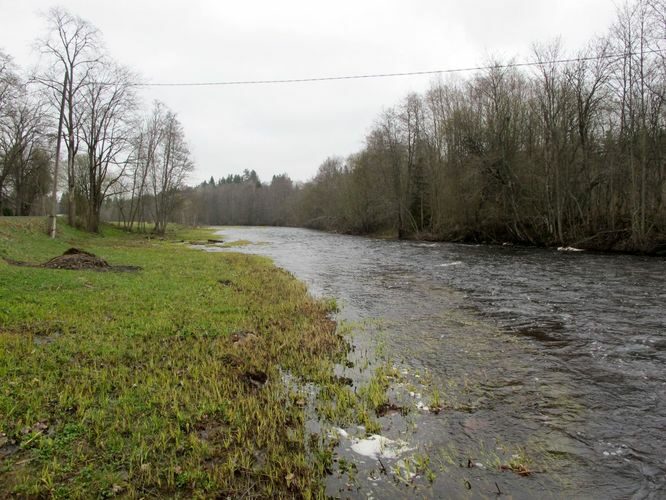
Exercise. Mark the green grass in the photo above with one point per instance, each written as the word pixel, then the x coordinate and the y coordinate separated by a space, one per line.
pixel 141 384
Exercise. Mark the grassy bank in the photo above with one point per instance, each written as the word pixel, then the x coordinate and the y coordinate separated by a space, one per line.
pixel 169 381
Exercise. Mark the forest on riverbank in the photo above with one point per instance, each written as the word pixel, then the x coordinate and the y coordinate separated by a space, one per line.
pixel 569 150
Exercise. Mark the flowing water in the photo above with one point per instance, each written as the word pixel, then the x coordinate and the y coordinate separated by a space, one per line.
pixel 555 359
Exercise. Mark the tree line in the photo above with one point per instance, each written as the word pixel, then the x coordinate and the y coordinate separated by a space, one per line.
pixel 552 154
pixel 555 153
pixel 82 105
pixel 241 199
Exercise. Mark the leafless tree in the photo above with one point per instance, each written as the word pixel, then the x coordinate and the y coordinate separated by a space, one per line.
pixel 146 142
pixel 73 49
pixel 171 166
pixel 8 80
pixel 8 89
pixel 564 153
pixel 108 101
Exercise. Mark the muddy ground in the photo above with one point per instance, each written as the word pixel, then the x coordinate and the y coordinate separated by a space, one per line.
pixel 76 259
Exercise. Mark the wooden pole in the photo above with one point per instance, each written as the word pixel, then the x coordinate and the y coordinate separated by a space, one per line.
pixel 54 191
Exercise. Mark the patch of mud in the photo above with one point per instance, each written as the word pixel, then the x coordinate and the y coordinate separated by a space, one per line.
pixel 7 446
pixel 390 408
pixel 76 260
pixel 255 378
pixel 230 284
pixel 202 243
pixel 244 340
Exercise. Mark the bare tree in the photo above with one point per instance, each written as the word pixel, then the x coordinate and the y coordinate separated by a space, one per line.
pixel 8 89
pixel 411 118
pixel 8 80
pixel 22 142
pixel 146 143
pixel 73 47
pixel 108 101
pixel 556 110
pixel 392 162
pixel 170 169
pixel 638 85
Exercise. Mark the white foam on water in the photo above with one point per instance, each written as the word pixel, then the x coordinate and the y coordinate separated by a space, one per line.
pixel 377 446
pixel 422 406
pixel 449 264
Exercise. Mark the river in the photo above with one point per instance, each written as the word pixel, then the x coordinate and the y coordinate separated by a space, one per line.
pixel 558 357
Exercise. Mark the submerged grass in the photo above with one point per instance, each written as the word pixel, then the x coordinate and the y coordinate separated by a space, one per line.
pixel 164 382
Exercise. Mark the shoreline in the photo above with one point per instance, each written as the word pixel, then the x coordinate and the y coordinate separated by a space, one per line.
pixel 169 380
pixel 658 251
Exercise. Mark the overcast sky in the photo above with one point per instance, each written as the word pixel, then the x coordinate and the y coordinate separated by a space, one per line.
pixel 292 128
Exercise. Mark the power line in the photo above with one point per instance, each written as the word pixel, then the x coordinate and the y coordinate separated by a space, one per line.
pixel 391 75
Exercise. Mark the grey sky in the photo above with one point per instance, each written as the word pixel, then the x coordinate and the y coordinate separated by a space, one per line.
pixel 293 128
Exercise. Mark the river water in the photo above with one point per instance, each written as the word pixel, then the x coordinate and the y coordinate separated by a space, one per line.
pixel 552 357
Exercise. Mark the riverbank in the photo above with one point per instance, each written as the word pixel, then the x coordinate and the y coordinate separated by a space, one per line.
pixel 504 335
pixel 608 242
pixel 174 379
